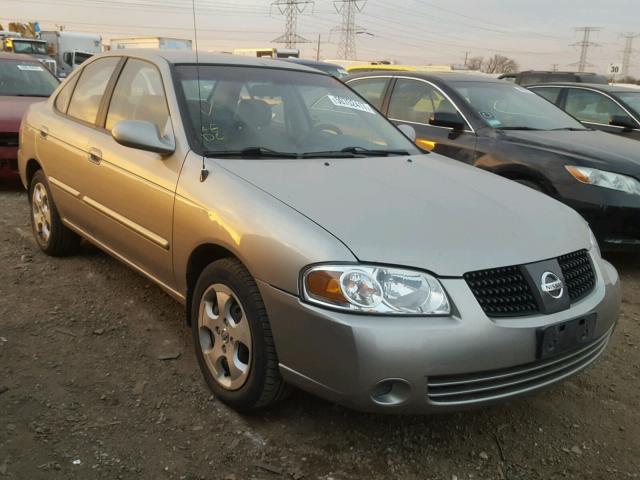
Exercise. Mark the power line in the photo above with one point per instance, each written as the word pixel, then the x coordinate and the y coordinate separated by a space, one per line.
pixel 290 9
pixel 627 53
pixel 348 29
pixel 584 46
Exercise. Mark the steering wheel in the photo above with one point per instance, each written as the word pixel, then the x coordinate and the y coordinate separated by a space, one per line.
pixel 328 128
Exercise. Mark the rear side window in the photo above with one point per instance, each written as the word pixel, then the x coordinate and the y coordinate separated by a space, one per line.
pixel 592 107
pixel 139 95
pixel 88 93
pixel 550 93
pixel 372 89
pixel 532 78
pixel 62 100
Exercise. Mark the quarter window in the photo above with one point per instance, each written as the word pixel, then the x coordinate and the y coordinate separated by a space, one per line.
pixel 550 93
pixel 415 101
pixel 592 107
pixel 372 89
pixel 87 95
pixel 139 95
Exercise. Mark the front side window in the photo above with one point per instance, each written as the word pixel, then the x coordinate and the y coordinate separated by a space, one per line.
pixel 64 97
pixel 416 101
pixel 550 93
pixel 284 111
pixel 88 93
pixel 512 107
pixel 372 89
pixel 592 107
pixel 139 95
pixel 26 79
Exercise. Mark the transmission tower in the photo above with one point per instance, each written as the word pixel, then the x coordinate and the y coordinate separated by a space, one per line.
pixel 348 29
pixel 585 44
pixel 290 9
pixel 627 53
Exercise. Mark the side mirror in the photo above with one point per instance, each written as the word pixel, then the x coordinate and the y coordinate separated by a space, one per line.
pixel 622 121
pixel 448 120
pixel 142 136
pixel 408 131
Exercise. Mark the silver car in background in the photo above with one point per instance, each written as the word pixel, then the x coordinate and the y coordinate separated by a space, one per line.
pixel 311 242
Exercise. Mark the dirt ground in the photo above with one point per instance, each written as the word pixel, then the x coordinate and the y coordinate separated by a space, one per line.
pixel 98 380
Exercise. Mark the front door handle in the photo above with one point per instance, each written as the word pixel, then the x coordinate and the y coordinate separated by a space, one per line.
pixel 95 155
pixel 44 132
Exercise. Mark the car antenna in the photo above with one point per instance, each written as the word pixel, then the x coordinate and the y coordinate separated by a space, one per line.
pixel 204 173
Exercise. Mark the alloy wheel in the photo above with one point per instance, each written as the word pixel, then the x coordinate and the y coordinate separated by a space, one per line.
pixel 41 212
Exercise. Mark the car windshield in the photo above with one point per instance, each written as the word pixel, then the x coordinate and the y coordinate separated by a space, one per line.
pixel 24 46
pixel 269 110
pixel 512 107
pixel 632 99
pixel 26 79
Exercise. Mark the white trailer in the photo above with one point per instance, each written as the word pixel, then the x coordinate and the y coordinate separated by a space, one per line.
pixel 70 49
pixel 151 42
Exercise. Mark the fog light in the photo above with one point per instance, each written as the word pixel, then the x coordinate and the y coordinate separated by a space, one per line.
pixel 391 392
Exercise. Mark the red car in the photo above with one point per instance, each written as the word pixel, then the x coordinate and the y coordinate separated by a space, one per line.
pixel 23 81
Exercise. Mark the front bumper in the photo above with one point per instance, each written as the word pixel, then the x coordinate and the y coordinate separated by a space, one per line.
pixel 344 357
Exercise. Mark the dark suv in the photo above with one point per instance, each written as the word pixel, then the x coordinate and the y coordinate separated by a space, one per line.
pixel 531 77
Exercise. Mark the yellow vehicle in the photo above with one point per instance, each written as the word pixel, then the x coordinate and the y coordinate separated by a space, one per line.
pixel 271 52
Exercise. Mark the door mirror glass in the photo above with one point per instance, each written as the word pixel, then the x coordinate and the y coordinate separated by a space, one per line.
pixel 622 121
pixel 447 119
pixel 408 131
pixel 142 135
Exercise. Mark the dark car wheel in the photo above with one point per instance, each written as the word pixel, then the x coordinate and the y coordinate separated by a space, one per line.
pixel 232 338
pixel 52 236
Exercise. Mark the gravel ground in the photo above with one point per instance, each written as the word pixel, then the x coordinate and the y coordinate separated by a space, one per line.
pixel 98 380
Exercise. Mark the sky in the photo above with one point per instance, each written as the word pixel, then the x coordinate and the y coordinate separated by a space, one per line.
pixel 536 33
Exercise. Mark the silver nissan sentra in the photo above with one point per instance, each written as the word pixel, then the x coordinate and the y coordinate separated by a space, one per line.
pixel 310 241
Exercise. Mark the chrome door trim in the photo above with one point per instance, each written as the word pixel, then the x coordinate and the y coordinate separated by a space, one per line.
pixel 139 229
pixel 174 293
pixel 64 187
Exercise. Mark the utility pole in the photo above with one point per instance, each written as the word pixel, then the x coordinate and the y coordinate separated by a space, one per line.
pixel 584 45
pixel 290 9
pixel 627 53
pixel 348 29
pixel 318 49
pixel 554 67
pixel 466 58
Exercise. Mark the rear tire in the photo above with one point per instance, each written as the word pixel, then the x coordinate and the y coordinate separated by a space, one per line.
pixel 232 338
pixel 51 235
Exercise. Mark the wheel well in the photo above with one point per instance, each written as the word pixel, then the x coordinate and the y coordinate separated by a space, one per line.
pixel 32 167
pixel 529 176
pixel 198 261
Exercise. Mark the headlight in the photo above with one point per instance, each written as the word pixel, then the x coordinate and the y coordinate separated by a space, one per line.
pixel 601 178
pixel 373 289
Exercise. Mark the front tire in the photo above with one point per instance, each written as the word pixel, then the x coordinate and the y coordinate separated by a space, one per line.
pixel 51 235
pixel 232 338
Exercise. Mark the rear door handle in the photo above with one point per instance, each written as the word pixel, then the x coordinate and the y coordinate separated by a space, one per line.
pixel 44 132
pixel 95 155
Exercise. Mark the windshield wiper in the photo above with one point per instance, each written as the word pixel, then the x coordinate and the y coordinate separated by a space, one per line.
pixel 520 128
pixel 354 151
pixel 569 129
pixel 249 152
pixel 29 95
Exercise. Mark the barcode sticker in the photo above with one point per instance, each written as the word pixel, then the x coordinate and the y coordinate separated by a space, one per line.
pixel 30 68
pixel 351 103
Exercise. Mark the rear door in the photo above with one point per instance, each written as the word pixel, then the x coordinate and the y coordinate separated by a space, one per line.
pixel 597 110
pixel 414 102
pixel 133 190
pixel 64 135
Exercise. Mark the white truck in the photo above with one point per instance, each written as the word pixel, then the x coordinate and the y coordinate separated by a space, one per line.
pixel 70 49
pixel 151 42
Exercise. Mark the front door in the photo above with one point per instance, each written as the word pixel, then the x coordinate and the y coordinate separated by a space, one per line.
pixel 415 102
pixel 133 189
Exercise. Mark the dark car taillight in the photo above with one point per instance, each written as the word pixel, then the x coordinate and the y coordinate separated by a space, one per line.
pixel 8 139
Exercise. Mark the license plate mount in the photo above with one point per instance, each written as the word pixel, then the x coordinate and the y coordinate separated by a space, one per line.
pixel 565 337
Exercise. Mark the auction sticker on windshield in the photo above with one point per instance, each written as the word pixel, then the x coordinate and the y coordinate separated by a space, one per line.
pixel 30 68
pixel 350 103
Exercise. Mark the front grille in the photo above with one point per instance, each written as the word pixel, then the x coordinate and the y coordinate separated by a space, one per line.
pixel 496 384
pixel 578 274
pixel 504 291
pixel 8 139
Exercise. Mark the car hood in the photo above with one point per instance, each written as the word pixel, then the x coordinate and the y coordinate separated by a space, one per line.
pixel 590 148
pixel 432 213
pixel 12 109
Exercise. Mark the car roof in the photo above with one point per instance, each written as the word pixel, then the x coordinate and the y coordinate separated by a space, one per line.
pixel 178 56
pixel 17 56
pixel 594 86
pixel 430 76
pixel 310 63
